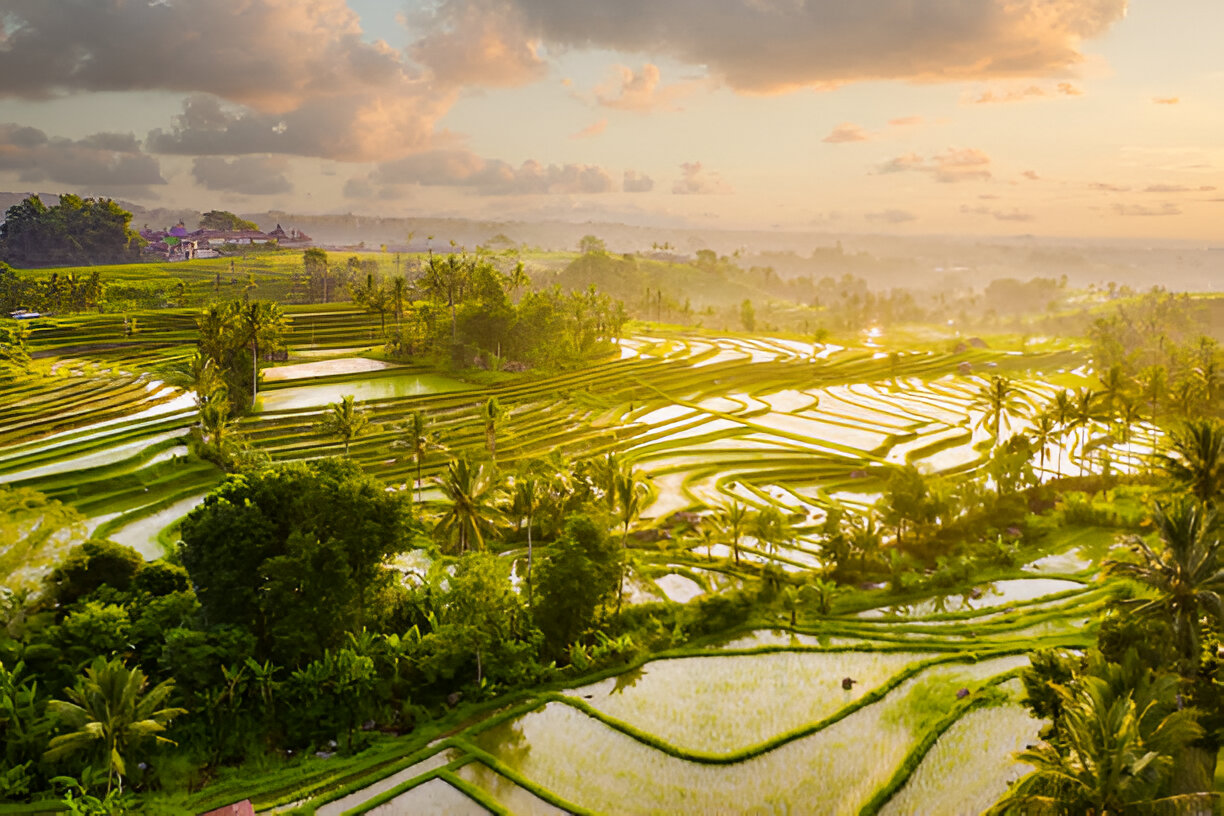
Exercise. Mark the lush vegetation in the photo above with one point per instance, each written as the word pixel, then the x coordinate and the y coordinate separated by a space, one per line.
pixel 369 568
pixel 76 230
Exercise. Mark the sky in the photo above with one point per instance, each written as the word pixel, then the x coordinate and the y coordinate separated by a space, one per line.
pixel 1090 118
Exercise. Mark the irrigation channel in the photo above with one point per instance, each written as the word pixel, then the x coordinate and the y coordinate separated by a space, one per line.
pixel 757 716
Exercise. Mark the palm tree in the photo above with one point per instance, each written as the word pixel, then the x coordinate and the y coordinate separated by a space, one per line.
pixel 1083 412
pixel 631 492
pixel 1045 431
pixel 215 434
pixel 416 437
pixel 344 420
pixel 470 490
pixel 206 380
pixel 398 293
pixel 518 279
pixel 492 413
pixel 1114 385
pixel 999 400
pixel 1062 409
pixel 1186 575
pixel 771 528
pixel 1196 458
pixel 262 320
pixel 1119 736
pixel 733 520
pixel 1128 414
pixel 529 489
pixel 110 711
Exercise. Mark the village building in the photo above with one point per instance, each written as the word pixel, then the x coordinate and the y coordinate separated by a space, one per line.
pixel 178 244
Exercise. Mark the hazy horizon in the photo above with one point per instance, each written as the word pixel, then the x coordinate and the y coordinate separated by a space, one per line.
pixel 1095 119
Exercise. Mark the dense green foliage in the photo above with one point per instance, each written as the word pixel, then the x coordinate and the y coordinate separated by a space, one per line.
pixel 74 231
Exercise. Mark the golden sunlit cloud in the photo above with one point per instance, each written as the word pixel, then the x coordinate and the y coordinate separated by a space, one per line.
pixel 905 121
pixel 641 91
pixel 1166 100
pixel 847 132
pixel 953 165
pixel 1023 94
pixel 591 130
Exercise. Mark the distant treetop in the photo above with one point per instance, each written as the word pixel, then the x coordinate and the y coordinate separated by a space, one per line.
pixel 222 220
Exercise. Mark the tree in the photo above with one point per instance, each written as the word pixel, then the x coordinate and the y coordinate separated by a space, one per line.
pixel 733 520
pixel 999 400
pixel 416 437
pixel 1045 433
pixel 225 221
pixel 1084 412
pixel 1062 408
pixel 905 500
pixel 528 496
pixel 747 315
pixel 470 491
pixel 771 528
pixel 344 421
pixel 262 322
pixel 1187 574
pixel 80 231
pixel 580 574
pixel 480 606
pixel 591 245
pixel 315 263
pixel 110 712
pixel 631 492
pixel 1196 459
pixel 1117 738
pixel 492 413
pixel 292 553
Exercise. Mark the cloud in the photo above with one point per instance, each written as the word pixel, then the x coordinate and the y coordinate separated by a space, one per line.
pixel 696 180
pixel 1025 93
pixel 847 132
pixel 249 175
pixel 100 160
pixel 359 128
pixel 998 215
pixel 953 165
pixel 1167 208
pixel 767 46
pixel 1177 188
pixel 592 130
pixel 642 91
pixel 905 121
pixel 1031 175
pixel 635 182
pixel 478 42
pixel 1166 100
pixel 461 168
pixel 1107 187
pixel 304 77
pixel 891 217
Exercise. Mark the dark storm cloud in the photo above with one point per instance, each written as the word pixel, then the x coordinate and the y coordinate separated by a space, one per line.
pixel 775 45
pixel 100 160
pixel 307 81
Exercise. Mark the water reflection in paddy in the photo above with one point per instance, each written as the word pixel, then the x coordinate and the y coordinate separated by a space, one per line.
pixel 1015 590
pixel 833 771
pixel 308 396
pixel 687 701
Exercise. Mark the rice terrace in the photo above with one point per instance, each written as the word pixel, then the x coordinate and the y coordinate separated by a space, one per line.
pixel 517 407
